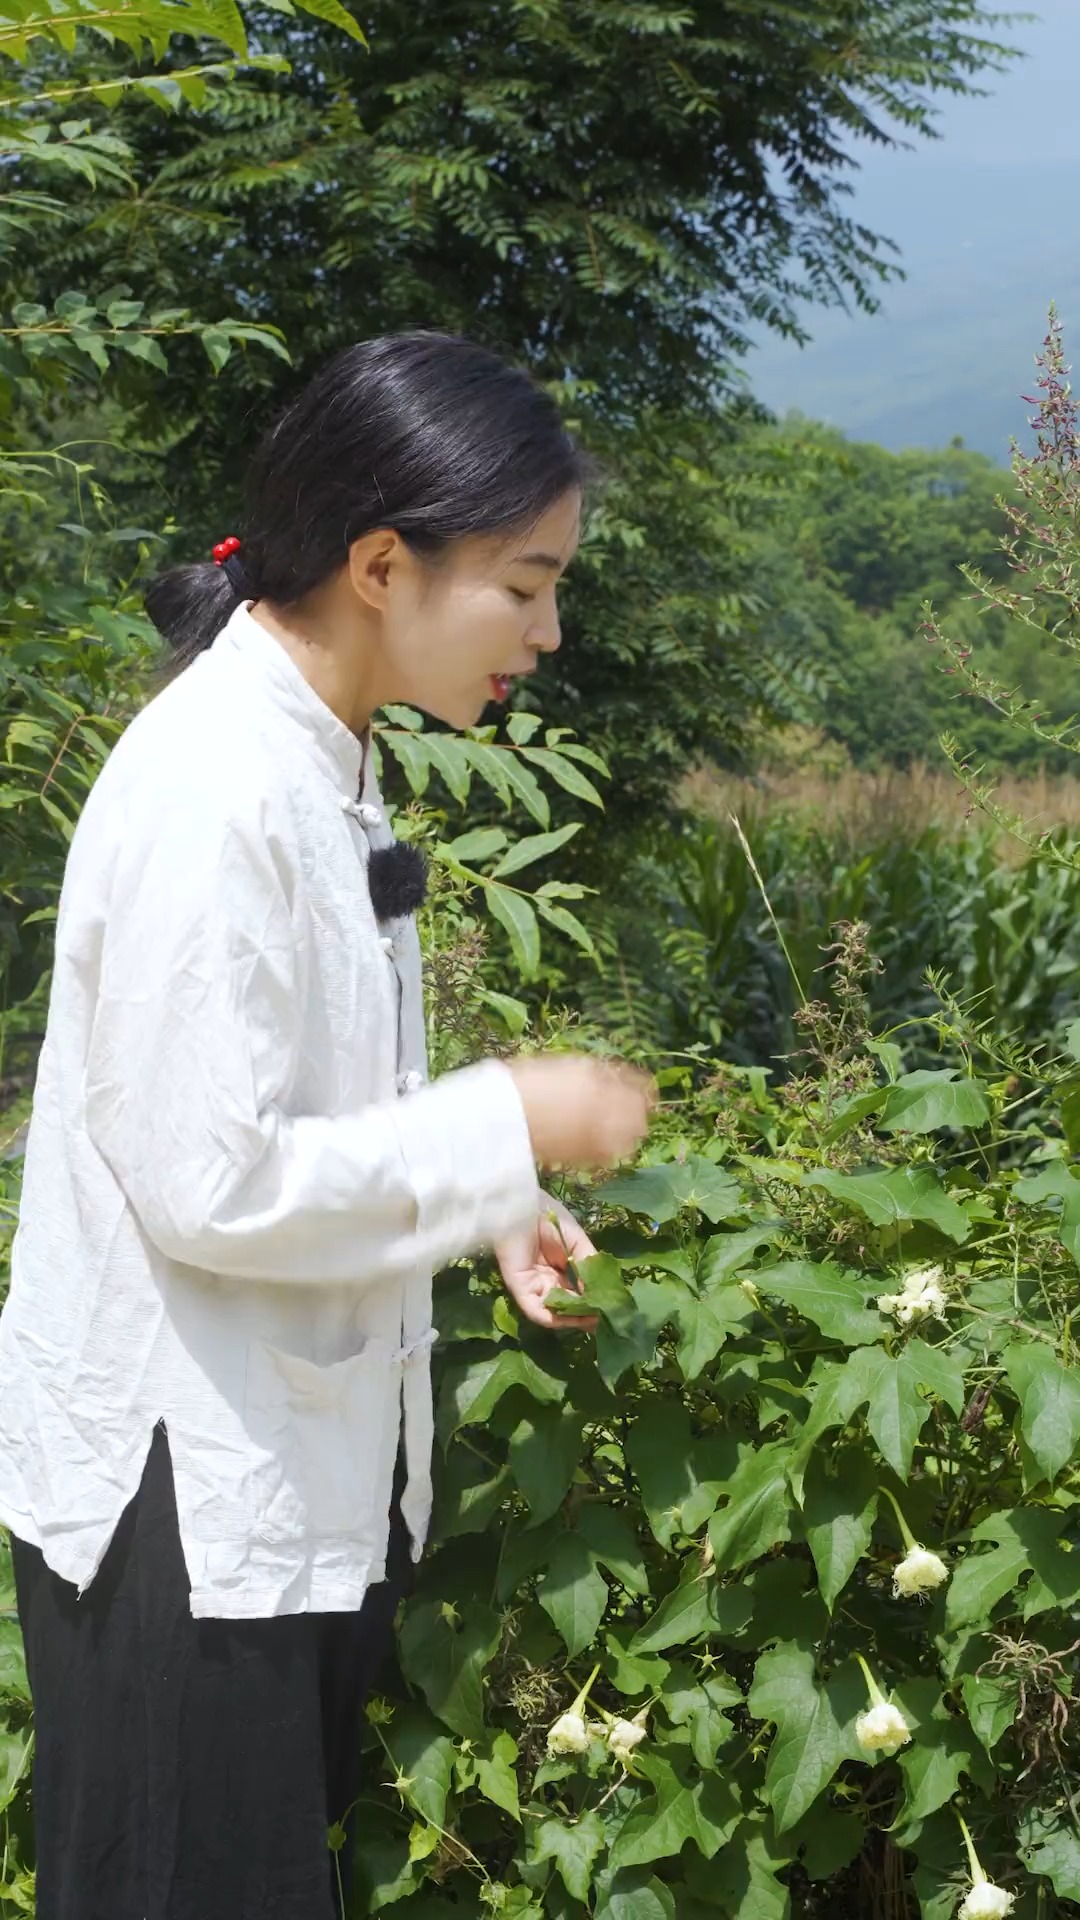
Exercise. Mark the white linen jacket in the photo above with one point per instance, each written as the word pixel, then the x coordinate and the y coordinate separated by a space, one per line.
pixel 237 1182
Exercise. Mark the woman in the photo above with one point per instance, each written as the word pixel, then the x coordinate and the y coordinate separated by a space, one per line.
pixel 237 1183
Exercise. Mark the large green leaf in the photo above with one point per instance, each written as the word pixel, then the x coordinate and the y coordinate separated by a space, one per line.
pixel 574 1593
pixel 565 774
pixel 1049 1396
pixel 13 1679
pixel 660 1450
pixel 941 1749
pixel 759 1510
pixel 470 1392
pixel 1053 1849
pixel 632 1895
pixel 449 760
pixel 611 1537
pixel 890 1199
pixel 814 1728
pixel 680 1808
pixel 820 1292
pixel 710 1189
pixel 537 846
pixel 829 1839
pixel 424 1757
pixel 927 1101
pixel 545 1448
pixel 1056 1182
pixel 15 1752
pixel 705 1321
pixel 445 1656
pixel 702 1705
pixel 574 1845
pixel 517 914
pixel 840 1499
pixel 521 781
pixel 412 756
pixel 683 1616
pixel 385 1869
pixel 660 1193
pixel 889 1385
pixel 991 1702
pixel 1027 1543
pixel 603 1290
pixel 727 1253
pixel 743 1878
pixel 631 1317
pixel 469 1492
pixel 496 1773
pixel 481 844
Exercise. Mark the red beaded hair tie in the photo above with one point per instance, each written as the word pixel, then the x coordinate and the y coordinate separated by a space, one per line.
pixel 225 550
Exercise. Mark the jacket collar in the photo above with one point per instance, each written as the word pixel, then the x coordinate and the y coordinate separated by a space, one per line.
pixel 257 653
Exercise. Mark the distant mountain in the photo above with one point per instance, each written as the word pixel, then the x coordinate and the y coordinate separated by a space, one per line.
pixel 987 246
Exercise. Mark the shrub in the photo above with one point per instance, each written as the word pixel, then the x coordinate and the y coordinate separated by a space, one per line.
pixel 818 1458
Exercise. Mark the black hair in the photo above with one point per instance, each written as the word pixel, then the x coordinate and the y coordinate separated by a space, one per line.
pixel 424 433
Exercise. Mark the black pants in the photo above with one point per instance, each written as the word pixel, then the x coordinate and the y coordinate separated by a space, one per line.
pixel 190 1769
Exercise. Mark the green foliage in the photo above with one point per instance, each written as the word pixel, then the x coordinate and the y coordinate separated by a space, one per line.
pixel 847 561
pixel 705 1523
pixel 16 1747
pixel 450 172
pixel 698 962
pixel 73 642
pixel 1041 550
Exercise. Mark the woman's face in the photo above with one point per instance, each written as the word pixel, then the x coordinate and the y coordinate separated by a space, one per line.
pixel 456 635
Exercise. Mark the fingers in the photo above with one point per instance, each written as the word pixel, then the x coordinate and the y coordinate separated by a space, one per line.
pixel 562 1240
pixel 566 1322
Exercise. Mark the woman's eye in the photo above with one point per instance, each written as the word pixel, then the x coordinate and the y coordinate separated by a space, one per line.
pixel 519 594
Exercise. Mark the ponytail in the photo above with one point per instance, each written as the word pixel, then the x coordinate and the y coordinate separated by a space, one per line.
pixel 189 606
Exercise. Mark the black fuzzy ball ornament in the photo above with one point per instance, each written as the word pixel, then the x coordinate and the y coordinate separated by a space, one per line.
pixel 397 880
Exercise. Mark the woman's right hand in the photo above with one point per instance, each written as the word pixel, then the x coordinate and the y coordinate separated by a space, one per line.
pixel 581 1112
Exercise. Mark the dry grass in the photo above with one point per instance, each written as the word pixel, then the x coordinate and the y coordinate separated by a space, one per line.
pixel 866 808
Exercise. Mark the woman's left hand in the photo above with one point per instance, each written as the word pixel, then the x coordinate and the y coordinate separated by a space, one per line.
pixel 539 1259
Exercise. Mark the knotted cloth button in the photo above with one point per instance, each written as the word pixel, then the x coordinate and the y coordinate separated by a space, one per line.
pixel 370 815
pixel 387 944
pixel 410 1082
pixel 418 1349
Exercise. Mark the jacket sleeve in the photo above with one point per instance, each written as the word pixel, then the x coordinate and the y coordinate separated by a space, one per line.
pixel 194 1047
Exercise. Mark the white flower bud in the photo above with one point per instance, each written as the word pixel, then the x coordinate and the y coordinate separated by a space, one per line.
pixel 920 1571
pixel 922 1278
pixel 623 1737
pixel 921 1298
pixel 987 1902
pixel 569 1734
pixel 882 1729
pixel 933 1302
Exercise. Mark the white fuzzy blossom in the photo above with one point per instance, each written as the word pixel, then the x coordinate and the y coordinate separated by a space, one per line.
pixel 920 1571
pixel 882 1729
pixel 623 1737
pixel 569 1734
pixel 986 1902
pixel 922 1297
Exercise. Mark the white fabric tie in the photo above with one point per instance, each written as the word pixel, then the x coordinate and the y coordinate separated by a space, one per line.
pixel 417 1349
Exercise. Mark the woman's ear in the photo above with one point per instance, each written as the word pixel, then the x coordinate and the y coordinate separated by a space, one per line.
pixel 375 562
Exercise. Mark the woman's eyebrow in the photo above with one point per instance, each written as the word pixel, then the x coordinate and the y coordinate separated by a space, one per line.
pixel 548 560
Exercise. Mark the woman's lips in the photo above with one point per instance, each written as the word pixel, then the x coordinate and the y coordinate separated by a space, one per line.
pixel 501 686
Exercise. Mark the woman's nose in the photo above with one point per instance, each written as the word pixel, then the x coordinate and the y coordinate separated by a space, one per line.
pixel 546 634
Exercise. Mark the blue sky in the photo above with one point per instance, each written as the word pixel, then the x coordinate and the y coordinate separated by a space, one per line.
pixel 988 222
